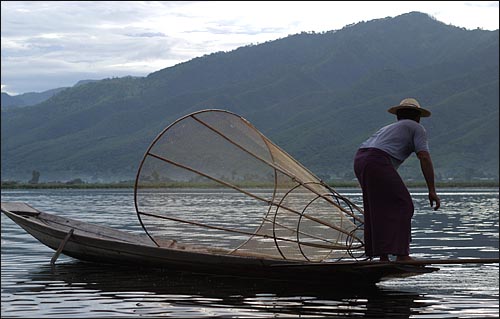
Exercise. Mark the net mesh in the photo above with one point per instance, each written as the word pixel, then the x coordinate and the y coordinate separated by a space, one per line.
pixel 241 194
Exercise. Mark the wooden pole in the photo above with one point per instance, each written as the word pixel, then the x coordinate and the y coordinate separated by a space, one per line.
pixel 415 262
pixel 61 247
pixel 448 261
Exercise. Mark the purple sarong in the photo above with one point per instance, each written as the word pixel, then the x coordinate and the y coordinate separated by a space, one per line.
pixel 388 206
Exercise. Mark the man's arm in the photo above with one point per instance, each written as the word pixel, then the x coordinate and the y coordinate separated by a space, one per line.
pixel 428 171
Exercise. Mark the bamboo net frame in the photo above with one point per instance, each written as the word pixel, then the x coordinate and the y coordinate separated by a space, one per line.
pixel 303 218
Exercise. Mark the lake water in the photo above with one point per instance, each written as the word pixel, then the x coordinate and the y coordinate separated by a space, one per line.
pixel 467 225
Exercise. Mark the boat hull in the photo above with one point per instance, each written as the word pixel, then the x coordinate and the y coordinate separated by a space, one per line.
pixel 95 243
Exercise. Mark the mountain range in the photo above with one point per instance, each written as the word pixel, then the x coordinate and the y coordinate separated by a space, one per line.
pixel 32 98
pixel 316 95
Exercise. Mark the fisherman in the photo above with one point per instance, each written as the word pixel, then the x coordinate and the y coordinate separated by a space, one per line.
pixel 388 206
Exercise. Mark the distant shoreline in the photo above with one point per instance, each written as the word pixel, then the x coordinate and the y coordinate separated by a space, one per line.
pixel 336 184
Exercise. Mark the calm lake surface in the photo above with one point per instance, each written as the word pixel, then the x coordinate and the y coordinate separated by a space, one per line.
pixel 467 225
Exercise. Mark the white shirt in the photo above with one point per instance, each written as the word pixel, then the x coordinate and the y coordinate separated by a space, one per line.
pixel 399 140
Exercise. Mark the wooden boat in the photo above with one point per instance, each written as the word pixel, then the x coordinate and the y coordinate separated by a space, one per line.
pixel 95 243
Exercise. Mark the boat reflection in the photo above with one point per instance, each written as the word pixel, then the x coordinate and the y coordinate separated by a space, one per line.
pixel 158 292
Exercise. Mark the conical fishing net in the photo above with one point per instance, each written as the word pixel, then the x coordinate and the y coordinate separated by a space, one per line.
pixel 212 181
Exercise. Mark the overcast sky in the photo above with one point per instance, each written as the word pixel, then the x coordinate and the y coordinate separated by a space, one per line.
pixel 47 44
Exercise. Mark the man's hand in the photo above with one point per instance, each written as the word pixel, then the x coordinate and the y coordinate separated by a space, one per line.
pixel 433 198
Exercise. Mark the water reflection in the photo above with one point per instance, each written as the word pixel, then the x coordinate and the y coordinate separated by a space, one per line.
pixel 467 225
pixel 94 290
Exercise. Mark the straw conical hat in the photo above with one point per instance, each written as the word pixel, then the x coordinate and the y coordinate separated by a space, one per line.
pixel 410 103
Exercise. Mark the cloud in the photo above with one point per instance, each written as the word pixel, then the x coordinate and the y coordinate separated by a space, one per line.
pixel 147 35
pixel 47 44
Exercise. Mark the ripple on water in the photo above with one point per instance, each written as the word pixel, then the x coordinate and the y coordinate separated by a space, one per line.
pixel 466 226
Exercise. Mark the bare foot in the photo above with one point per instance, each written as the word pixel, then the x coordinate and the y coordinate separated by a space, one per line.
pixel 404 258
pixel 384 258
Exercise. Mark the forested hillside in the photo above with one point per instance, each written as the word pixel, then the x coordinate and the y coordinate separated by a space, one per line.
pixel 316 95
